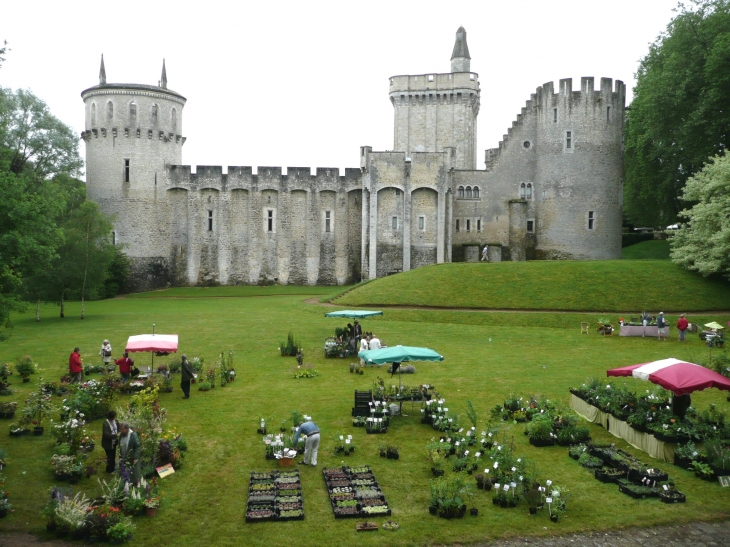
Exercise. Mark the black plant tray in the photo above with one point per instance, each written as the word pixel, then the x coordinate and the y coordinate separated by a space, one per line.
pixel 542 442
pixel 262 519
pixel 633 494
pixel 666 499
pixel 603 477
pixel 371 432
pixel 373 515
pixel 637 476
pixel 300 517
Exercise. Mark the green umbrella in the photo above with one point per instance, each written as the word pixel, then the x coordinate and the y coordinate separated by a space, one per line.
pixel 398 354
pixel 714 325
pixel 355 314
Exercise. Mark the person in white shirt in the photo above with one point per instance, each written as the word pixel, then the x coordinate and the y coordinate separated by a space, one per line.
pixel 363 347
pixel 374 342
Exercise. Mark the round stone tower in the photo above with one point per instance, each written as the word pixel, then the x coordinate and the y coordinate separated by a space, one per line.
pixel 579 162
pixel 132 132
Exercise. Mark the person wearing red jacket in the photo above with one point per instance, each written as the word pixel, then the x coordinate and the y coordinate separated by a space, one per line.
pixel 75 368
pixel 682 326
pixel 125 365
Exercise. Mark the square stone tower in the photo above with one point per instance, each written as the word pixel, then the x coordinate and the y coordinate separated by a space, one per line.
pixel 438 111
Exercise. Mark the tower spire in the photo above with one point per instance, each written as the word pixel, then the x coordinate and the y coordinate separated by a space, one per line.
pixel 102 72
pixel 163 78
pixel 460 58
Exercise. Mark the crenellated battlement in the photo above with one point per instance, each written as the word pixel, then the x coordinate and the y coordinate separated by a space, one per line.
pixel 132 132
pixel 267 178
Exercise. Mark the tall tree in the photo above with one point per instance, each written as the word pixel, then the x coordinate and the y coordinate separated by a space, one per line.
pixel 703 244
pixel 679 116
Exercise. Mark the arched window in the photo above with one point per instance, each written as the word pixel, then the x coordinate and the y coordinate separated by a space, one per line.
pixel 174 119
pixel 475 192
pixel 528 194
pixel 93 114
pixel 522 190
pixel 132 111
pixel 154 113
pixel 460 192
pixel 468 192
pixel 110 110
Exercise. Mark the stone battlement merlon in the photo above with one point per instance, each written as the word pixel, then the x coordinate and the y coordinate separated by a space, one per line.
pixel 132 132
pixel 545 94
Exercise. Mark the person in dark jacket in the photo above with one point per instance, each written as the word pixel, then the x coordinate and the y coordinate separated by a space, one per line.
pixel 187 375
pixel 130 451
pixel 75 366
pixel 125 365
pixel 110 440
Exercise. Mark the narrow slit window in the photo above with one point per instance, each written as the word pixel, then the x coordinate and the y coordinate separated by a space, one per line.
pixel 608 113
pixel 126 170
pixel 114 238
pixel 395 223
pixel 475 192
pixel 530 226
pixel 479 225
pixel 528 191
pixel 210 221
pixel 132 111
pixel 109 110
pixel 591 220
pixel 154 113
pixel 460 192
pixel 555 115
pixel 568 140
pixel 270 220
pixel 522 190
pixel 468 225
pixel 327 221
pixel 397 191
pixel 468 192
pixel 93 114
pixel 457 224
pixel 421 223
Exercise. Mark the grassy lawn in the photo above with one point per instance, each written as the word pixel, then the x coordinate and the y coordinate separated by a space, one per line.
pixel 657 249
pixel 488 356
pixel 620 286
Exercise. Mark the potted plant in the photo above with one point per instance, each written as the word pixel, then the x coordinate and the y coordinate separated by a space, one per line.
pixel 120 532
pixel 7 410
pixel 669 494
pixel 25 367
pixel 557 501
pixel 151 505
pixel 533 498
pixel 37 406
pixel 540 430
pixel 703 471
pixel 5 507
pixel 392 453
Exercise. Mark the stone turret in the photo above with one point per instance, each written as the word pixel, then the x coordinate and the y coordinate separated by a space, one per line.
pixel 460 58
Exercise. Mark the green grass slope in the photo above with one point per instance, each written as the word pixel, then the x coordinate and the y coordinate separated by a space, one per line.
pixel 657 249
pixel 624 286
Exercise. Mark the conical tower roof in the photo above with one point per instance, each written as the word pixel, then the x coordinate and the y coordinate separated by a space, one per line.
pixel 163 77
pixel 460 47
pixel 102 72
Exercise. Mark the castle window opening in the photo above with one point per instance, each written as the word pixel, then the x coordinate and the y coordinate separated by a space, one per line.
pixel 397 191
pixel 210 220
pixel 132 111
pixel 174 119
pixel 555 115
pixel 395 223
pixel 457 224
pixel 475 192
pixel 479 225
pixel 522 190
pixel 468 193
pixel 93 114
pixel 528 191
pixel 468 225
pixel 471 76
pixel 591 220
pixel 114 237
pixel 126 170
pixel 270 220
pixel 154 113
pixel 568 140
pixel 430 77
pixel 530 226
pixel 109 110
pixel 526 144
pixel 327 221
pixel 421 223
pixel 460 192
pixel 608 113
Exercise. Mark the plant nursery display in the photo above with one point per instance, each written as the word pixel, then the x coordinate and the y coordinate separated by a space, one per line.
pixel 274 495
pixel 354 492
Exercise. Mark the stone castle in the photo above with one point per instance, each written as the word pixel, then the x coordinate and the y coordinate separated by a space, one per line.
pixel 551 190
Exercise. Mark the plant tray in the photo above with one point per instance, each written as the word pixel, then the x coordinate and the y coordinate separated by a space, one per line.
pixel 375 432
pixel 665 498
pixel 366 526
pixel 604 477
pixel 300 517
pixel 261 519
pixel 542 442
pixel 635 495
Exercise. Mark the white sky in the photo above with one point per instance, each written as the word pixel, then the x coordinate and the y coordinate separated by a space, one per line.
pixel 305 83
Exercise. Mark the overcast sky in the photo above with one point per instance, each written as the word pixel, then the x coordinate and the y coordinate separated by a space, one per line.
pixel 305 84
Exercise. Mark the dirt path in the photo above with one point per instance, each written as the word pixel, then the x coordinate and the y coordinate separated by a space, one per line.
pixel 696 534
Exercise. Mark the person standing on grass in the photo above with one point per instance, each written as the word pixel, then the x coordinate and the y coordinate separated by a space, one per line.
pixel 110 440
pixel 311 447
pixel 662 328
pixel 187 375
pixel 125 365
pixel 75 366
pixel 363 347
pixel 106 353
pixel 130 451
pixel 358 331
pixel 374 342
pixel 682 326
pixel 485 254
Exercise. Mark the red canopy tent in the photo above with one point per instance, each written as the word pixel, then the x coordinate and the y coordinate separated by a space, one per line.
pixel 677 376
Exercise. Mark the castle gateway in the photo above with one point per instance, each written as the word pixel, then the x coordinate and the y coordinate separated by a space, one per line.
pixel 551 190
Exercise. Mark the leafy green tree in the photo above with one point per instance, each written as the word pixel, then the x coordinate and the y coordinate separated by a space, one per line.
pixel 703 244
pixel 679 116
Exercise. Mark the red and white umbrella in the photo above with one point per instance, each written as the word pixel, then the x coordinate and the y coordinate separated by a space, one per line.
pixel 152 342
pixel 677 376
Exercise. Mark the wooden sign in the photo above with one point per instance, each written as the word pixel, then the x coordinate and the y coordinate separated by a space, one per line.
pixel 165 470
pixel 724 480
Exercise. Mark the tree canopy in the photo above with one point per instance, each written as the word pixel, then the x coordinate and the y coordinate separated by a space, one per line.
pixel 680 115
pixel 703 244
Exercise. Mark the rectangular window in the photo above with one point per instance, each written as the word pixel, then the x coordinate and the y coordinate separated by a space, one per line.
pixel 555 115
pixel 608 113
pixel 126 170
pixel 114 238
pixel 270 220
pixel 430 77
pixel 327 221
pixel 568 139
pixel 479 225
pixel 591 220
pixel 395 223
pixel 530 226
pixel 457 224
pixel 210 221
pixel 397 191
pixel 421 223
pixel 468 225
